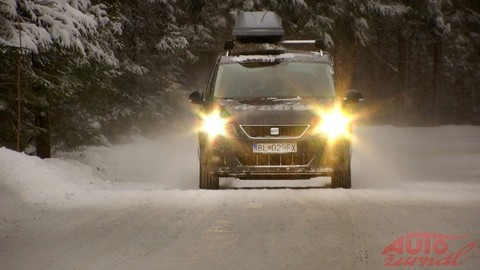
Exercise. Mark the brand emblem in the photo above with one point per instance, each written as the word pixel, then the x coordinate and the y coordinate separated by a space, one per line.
pixel 274 131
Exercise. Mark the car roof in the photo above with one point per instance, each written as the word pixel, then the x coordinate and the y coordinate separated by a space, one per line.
pixel 274 56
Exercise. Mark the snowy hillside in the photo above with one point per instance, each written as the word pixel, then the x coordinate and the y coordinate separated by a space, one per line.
pixel 136 206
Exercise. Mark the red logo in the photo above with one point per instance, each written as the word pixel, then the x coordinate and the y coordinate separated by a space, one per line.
pixel 428 249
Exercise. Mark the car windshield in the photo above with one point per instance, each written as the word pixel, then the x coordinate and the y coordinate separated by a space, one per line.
pixel 274 79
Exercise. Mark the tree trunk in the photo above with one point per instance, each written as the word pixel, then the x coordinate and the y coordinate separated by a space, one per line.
pixel 401 94
pixel 461 97
pixel 437 69
pixel 42 139
pixel 42 116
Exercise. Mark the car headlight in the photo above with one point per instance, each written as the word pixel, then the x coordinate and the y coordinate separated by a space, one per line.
pixel 334 124
pixel 213 125
pixel 216 125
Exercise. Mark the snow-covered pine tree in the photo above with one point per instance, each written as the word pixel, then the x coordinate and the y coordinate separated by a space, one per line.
pixel 60 39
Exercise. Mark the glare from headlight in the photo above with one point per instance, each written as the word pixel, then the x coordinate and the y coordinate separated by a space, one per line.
pixel 334 123
pixel 213 124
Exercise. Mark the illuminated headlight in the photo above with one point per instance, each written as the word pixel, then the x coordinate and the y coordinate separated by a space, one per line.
pixel 215 125
pixel 334 123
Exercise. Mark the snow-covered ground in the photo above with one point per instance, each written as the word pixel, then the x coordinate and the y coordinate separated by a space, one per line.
pixel 137 206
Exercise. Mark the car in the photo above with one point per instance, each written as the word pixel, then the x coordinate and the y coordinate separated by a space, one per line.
pixel 273 113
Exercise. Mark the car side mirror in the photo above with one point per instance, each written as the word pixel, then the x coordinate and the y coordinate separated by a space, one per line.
pixel 353 96
pixel 196 97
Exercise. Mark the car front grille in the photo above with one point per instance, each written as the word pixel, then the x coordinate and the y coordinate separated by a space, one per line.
pixel 292 159
pixel 286 131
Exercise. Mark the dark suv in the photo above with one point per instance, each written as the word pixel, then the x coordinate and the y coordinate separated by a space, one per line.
pixel 272 113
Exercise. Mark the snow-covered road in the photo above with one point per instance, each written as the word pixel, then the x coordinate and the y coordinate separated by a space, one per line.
pixel 136 206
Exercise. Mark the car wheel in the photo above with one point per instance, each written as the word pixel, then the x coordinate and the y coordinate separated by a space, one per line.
pixel 342 176
pixel 208 180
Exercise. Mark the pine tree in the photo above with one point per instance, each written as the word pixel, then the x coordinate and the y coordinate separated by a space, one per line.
pixel 59 38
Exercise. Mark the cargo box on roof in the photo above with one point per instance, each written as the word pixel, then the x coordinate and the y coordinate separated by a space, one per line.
pixel 258 27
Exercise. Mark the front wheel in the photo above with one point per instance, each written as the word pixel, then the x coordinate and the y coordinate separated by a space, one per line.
pixel 342 178
pixel 208 180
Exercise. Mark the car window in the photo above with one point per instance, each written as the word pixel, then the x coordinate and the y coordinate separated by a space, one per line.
pixel 277 79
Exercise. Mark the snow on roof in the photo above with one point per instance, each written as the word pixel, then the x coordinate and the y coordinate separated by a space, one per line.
pixel 261 58
pixel 270 58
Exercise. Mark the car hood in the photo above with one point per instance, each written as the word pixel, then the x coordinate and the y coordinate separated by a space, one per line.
pixel 274 111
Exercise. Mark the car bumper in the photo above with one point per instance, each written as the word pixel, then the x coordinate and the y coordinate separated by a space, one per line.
pixel 234 157
pixel 276 172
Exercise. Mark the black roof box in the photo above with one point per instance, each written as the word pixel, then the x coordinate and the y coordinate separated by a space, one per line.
pixel 258 27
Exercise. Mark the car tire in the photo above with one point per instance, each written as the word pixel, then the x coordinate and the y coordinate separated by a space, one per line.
pixel 342 175
pixel 342 179
pixel 207 179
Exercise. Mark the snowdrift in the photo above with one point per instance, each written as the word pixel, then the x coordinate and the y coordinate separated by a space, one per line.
pixel 441 158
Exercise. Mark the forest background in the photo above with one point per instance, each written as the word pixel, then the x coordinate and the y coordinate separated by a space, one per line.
pixel 81 72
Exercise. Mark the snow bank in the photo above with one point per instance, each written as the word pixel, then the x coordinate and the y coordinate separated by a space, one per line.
pixel 444 159
pixel 27 181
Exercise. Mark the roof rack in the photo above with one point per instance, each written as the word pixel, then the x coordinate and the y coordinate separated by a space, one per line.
pixel 319 44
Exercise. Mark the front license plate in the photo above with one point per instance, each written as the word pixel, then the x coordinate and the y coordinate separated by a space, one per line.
pixel 279 148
